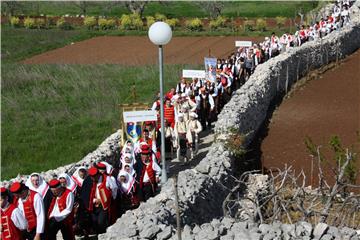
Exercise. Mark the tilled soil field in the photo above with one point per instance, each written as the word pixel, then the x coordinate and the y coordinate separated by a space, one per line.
pixel 139 51
pixel 329 105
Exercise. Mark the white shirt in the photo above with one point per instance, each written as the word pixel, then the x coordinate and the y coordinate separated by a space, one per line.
pixel 39 211
pixel 211 100
pixel 110 184
pixel 157 170
pixel 59 216
pixel 18 218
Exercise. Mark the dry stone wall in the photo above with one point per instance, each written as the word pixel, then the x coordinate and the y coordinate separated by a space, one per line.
pixel 201 190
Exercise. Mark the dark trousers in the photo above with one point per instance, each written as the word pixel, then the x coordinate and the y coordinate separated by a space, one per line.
pixel 64 226
pixel 30 235
pixel 100 220
pixel 146 192
pixel 205 118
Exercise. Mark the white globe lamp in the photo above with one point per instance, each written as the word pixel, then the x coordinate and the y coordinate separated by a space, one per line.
pixel 160 33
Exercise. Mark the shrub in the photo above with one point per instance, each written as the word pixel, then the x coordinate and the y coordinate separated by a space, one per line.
pixel 218 22
pixel 194 24
pixel 90 22
pixel 40 23
pixel 15 21
pixel 160 17
pixel 173 22
pixel 149 21
pixel 62 24
pixel 261 24
pixel 106 24
pixel 132 21
pixel 249 25
pixel 29 23
pixel 280 21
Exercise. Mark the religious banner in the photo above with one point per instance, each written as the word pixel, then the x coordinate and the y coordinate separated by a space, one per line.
pixel 193 74
pixel 210 69
pixel 243 43
pixel 134 120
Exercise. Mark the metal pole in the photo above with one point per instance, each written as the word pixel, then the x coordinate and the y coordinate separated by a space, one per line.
pixel 178 219
pixel 163 173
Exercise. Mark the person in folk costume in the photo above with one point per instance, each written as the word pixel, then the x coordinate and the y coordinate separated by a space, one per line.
pixel 67 182
pixel 185 106
pixel 78 177
pixel 61 212
pixel 169 139
pixel 127 159
pixel 180 130
pixel 151 142
pixel 128 149
pixel 206 107
pixel 180 87
pixel 12 221
pixel 96 197
pixel 188 89
pixel 169 112
pixel 129 169
pixel 170 94
pixel 31 206
pixel 192 135
pixel 127 191
pixel 106 169
pixel 36 183
pixel 156 104
pixel 147 174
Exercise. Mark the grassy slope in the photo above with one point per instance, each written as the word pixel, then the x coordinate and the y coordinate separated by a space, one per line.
pixel 56 114
pixel 171 9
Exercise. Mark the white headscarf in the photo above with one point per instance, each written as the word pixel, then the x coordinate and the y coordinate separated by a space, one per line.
pixel 132 171
pixel 70 183
pixel 127 155
pixel 76 177
pixel 43 186
pixel 109 168
pixel 126 186
pixel 126 147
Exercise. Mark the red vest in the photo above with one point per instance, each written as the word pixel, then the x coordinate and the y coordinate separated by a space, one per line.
pixel 29 211
pixel 9 230
pixel 148 142
pixel 105 194
pixel 61 201
pixel 151 174
pixel 169 114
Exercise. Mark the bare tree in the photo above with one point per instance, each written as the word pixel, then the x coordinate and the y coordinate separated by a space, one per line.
pixel 83 6
pixel 137 7
pixel 214 7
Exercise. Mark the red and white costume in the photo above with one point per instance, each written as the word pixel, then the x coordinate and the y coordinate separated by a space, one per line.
pixel 70 183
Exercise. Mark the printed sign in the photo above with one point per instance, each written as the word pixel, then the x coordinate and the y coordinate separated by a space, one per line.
pixel 193 73
pixel 210 68
pixel 140 116
pixel 243 43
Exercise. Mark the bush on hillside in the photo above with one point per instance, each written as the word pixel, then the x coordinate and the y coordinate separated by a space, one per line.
pixel 194 24
pixel 249 25
pixel 29 23
pixel 173 22
pixel 150 20
pixel 217 23
pixel 261 24
pixel 15 21
pixel 106 24
pixel 160 17
pixel 90 22
pixel 40 23
pixel 62 24
pixel 131 22
pixel 280 21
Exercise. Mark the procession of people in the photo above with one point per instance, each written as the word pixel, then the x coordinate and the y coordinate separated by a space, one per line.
pixel 90 199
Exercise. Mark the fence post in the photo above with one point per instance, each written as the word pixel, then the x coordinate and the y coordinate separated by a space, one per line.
pixel 178 220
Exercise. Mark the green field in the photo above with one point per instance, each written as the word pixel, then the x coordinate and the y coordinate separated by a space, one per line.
pixel 169 8
pixel 56 114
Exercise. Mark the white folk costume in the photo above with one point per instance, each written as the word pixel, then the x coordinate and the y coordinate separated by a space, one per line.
pixel 76 177
pixel 127 190
pixel 12 221
pixel 70 183
pixel 193 129
pixel 180 130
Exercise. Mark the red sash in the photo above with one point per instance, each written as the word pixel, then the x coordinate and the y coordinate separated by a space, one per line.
pixel 29 211
pixel 9 230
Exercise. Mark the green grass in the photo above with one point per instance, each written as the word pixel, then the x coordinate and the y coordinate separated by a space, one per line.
pixel 170 8
pixel 53 115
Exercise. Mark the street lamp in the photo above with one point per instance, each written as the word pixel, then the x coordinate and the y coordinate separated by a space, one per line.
pixel 160 34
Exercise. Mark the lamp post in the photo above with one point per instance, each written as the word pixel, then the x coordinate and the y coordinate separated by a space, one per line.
pixel 160 34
